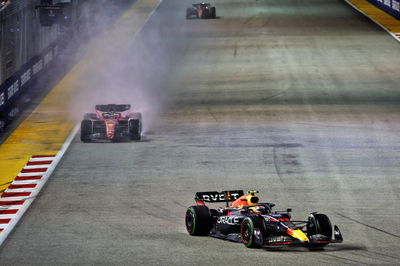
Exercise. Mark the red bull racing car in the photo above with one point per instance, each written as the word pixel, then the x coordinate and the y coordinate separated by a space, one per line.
pixel 113 122
pixel 201 10
pixel 255 224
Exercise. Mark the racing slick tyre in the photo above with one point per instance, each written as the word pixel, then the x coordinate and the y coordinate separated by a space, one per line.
pixel 135 128
pixel 248 229
pixel 198 220
pixel 188 13
pixel 319 224
pixel 213 13
pixel 90 116
pixel 86 130
pixel 137 116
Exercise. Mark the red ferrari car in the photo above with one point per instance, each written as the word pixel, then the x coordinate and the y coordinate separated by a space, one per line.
pixel 113 122
pixel 201 10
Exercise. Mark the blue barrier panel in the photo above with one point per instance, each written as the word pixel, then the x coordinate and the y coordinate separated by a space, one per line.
pixel 389 6
pixel 22 79
pixel 25 75
pixel 13 88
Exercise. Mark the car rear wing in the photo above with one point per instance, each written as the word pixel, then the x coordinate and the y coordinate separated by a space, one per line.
pixel 113 107
pixel 215 196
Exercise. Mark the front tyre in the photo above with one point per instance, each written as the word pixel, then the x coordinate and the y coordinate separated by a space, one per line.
pixel 135 129
pixel 188 13
pixel 247 233
pixel 213 13
pixel 89 116
pixel 86 130
pixel 198 220
pixel 319 225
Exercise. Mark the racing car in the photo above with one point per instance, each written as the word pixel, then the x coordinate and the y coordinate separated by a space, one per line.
pixel 201 10
pixel 113 122
pixel 255 224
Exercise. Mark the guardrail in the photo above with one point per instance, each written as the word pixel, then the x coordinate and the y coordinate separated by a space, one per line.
pixel 389 6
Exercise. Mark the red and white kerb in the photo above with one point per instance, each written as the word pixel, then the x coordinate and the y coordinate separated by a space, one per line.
pixel 26 185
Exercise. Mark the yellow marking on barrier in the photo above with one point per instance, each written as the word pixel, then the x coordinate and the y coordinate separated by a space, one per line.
pixel 380 16
pixel 46 129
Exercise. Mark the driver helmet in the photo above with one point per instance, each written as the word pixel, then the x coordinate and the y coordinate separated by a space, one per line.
pixel 259 209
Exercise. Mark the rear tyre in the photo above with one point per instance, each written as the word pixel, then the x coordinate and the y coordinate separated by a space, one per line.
pixel 135 129
pixel 90 116
pixel 188 13
pixel 213 13
pixel 86 130
pixel 198 220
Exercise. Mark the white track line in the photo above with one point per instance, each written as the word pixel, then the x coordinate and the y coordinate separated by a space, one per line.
pixel 37 166
pixel 41 159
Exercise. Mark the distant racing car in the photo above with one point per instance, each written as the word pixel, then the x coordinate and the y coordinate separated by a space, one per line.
pixel 201 10
pixel 113 122
pixel 256 224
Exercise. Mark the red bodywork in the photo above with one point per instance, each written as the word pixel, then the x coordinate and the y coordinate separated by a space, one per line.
pixel 200 11
pixel 111 120
pixel 200 8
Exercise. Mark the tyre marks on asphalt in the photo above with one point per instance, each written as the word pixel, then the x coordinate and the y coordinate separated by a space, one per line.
pixel 286 160
pixel 369 226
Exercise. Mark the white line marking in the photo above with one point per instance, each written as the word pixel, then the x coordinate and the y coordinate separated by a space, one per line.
pixel 15 190
pixel 9 207
pixel 25 182
pixel 37 166
pixel 7 216
pixel 41 159
pixel 15 199
pixel 31 174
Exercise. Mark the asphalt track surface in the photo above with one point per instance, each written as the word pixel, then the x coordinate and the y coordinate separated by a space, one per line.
pixel 298 99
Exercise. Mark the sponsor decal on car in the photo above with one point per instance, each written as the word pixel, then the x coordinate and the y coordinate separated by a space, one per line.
pixel 219 196
pixel 230 220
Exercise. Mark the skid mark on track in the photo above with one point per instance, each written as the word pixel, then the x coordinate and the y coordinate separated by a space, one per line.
pixel 276 165
pixel 285 161
pixel 286 145
pixel 367 225
pixel 374 253
pixel 347 260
